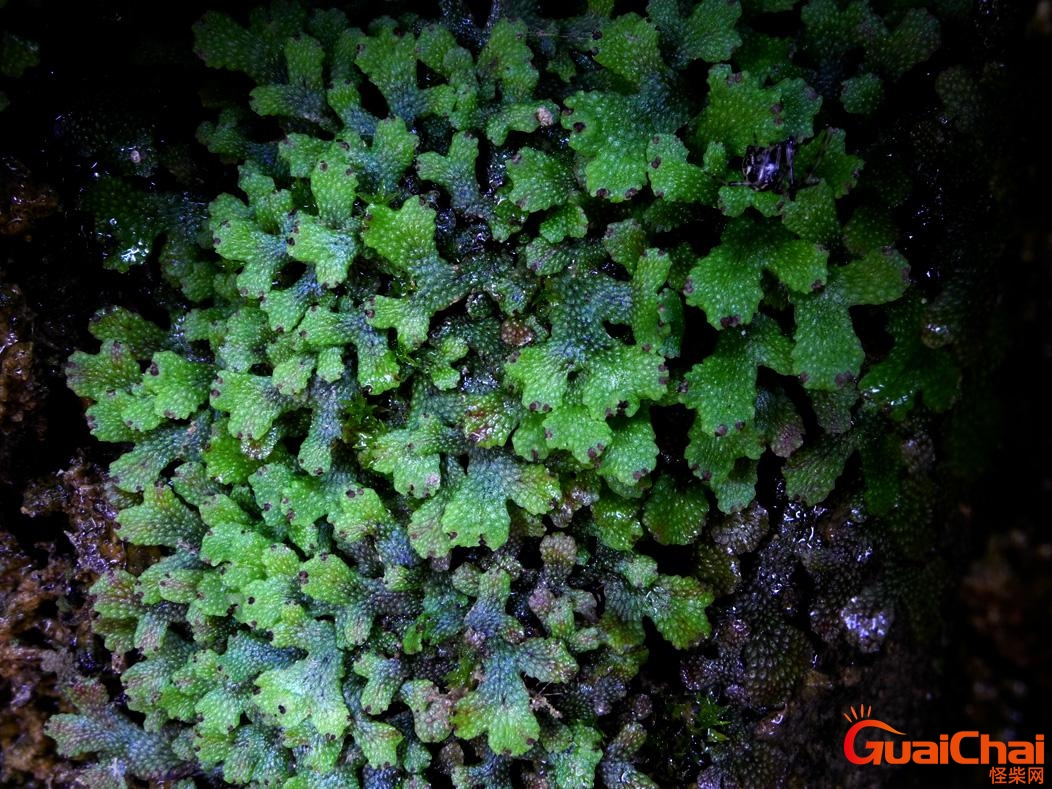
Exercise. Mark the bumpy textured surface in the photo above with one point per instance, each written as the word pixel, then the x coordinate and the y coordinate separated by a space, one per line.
pixel 459 414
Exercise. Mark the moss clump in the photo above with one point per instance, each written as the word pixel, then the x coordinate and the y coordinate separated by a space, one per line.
pixel 478 391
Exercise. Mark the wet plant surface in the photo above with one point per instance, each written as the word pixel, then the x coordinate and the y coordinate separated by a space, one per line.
pixel 802 626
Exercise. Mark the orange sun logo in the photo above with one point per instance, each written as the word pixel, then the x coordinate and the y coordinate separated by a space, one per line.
pixel 862 713
pixel 861 720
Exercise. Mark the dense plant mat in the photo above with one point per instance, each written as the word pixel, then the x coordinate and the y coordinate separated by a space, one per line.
pixel 522 396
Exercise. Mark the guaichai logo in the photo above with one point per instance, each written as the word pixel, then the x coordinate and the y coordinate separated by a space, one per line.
pixel 956 749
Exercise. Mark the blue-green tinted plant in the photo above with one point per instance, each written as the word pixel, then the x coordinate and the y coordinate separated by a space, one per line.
pixel 409 445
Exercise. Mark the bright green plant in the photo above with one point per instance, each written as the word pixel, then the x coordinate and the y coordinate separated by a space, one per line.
pixel 492 328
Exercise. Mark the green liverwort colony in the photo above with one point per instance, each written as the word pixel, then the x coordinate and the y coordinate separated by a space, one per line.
pixel 505 319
